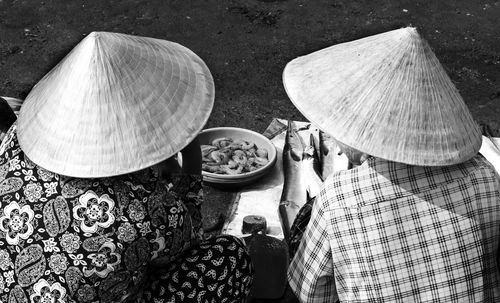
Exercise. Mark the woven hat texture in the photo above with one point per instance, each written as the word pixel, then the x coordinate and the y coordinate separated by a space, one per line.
pixel 115 104
pixel 386 95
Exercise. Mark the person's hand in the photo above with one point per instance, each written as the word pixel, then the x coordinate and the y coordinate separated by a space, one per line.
pixel 189 164
pixel 355 157
pixel 191 158
pixel 168 168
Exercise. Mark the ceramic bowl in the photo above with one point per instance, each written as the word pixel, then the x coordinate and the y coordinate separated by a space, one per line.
pixel 220 180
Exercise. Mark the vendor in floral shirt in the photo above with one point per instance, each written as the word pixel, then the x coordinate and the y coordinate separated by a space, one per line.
pixel 127 230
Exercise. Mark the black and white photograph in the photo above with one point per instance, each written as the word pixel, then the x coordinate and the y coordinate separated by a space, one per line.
pixel 253 151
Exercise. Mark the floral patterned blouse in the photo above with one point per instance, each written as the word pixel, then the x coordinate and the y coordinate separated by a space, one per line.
pixel 65 239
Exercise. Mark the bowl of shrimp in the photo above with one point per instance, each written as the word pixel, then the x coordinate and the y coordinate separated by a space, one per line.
pixel 234 156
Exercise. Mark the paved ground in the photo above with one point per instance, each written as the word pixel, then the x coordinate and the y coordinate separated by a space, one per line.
pixel 246 43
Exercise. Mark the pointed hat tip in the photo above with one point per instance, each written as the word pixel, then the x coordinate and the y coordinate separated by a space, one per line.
pixel 93 34
pixel 409 31
pixel 97 35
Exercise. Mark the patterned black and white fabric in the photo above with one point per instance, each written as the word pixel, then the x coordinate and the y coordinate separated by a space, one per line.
pixel 65 239
pixel 390 232
pixel 217 270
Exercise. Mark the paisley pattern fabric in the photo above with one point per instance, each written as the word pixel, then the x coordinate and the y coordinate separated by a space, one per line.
pixel 66 239
pixel 219 270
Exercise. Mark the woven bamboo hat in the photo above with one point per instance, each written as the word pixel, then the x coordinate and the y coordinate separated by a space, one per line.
pixel 116 104
pixel 386 95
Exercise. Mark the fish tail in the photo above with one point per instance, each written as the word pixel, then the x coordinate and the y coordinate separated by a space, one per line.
pixel 314 144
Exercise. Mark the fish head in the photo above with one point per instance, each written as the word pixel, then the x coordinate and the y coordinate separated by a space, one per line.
pixel 293 143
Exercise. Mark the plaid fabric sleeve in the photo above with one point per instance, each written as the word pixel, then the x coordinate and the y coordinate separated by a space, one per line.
pixel 310 274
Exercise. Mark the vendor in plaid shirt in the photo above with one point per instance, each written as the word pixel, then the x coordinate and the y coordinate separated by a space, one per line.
pixel 418 219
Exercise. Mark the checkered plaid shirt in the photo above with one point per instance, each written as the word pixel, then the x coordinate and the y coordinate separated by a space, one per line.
pixel 389 232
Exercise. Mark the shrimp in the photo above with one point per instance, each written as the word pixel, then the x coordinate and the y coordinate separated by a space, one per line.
pixel 250 152
pixel 249 166
pixel 219 157
pixel 232 164
pixel 234 146
pixel 239 157
pixel 222 142
pixel 207 149
pixel 262 152
pixel 252 168
pixel 251 160
pixel 261 161
pixel 245 145
pixel 207 160
pixel 231 171
pixel 211 168
pixel 228 156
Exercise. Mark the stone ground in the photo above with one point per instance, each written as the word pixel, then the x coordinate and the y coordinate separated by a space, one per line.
pixel 246 43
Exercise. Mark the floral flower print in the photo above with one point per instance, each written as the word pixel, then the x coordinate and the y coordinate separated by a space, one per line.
pixel 94 211
pixel 9 277
pixel 16 222
pixel 77 259
pixel 159 245
pixel 28 162
pixel 14 164
pixel 5 261
pixel 172 221
pixel 33 191
pixel 50 188
pixel 103 262
pixel 28 175
pixel 61 259
pixel 50 245
pixel 69 242
pixel 45 175
pixel 136 211
pixel 144 228
pixel 86 293
pixel 2 284
pixel 43 292
pixel 58 263
pixel 126 232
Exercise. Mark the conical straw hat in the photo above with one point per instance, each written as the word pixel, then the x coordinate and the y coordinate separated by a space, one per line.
pixel 116 104
pixel 386 95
